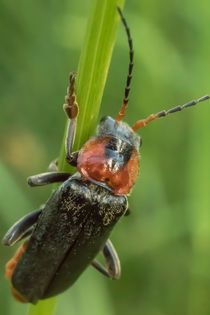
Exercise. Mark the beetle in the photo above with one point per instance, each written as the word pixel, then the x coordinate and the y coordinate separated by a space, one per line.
pixel 65 234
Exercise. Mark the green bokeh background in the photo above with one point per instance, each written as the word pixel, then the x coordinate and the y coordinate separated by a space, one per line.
pixel 164 244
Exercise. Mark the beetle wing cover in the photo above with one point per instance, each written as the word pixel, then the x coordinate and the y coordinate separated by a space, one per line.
pixel 73 227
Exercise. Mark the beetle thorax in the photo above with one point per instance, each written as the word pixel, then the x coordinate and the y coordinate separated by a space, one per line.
pixel 111 161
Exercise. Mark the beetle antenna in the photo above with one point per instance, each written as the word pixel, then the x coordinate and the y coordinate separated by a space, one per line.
pixel 123 108
pixel 142 123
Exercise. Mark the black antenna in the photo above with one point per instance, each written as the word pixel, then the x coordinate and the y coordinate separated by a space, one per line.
pixel 142 123
pixel 123 108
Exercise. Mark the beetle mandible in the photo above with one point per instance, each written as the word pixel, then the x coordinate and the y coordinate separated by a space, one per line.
pixel 73 226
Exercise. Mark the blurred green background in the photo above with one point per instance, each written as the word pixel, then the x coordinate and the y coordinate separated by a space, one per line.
pixel 164 245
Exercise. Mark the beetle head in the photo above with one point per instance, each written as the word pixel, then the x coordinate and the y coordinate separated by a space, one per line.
pixel 118 129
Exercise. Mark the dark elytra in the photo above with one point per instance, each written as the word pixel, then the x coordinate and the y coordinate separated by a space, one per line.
pixel 71 230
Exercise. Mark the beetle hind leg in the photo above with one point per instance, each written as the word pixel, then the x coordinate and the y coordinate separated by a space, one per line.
pixel 112 269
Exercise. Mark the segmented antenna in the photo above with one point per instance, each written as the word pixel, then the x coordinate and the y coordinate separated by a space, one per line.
pixel 123 108
pixel 142 123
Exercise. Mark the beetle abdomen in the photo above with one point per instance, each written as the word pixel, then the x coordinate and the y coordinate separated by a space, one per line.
pixel 72 229
pixel 10 267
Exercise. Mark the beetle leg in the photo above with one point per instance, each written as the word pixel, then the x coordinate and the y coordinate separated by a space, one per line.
pixel 112 268
pixel 53 166
pixel 47 178
pixel 72 158
pixel 21 228
pixel 128 212
pixel 71 109
pixel 28 232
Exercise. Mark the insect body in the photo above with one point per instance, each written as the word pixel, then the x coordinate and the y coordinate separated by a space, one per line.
pixel 73 226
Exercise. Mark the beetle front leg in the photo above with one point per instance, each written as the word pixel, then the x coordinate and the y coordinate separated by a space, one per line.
pixel 22 228
pixel 47 178
pixel 72 160
pixel 112 268
pixel 71 109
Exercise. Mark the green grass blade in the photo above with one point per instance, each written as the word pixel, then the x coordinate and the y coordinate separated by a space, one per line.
pixel 92 72
pixel 93 68
pixel 45 307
